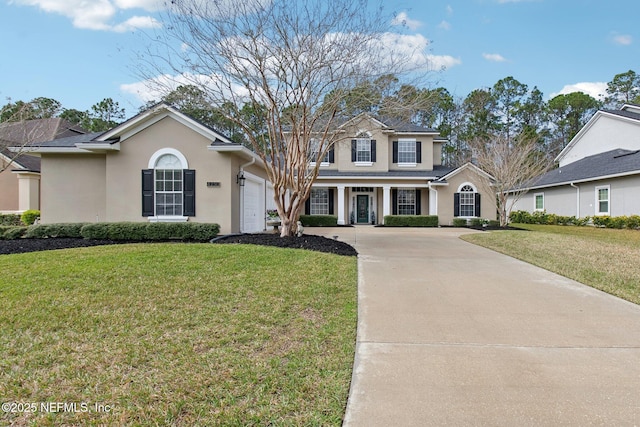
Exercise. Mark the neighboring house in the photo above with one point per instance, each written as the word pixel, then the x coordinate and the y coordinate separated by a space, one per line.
pixel 387 167
pixel 20 181
pixel 160 165
pixel 598 171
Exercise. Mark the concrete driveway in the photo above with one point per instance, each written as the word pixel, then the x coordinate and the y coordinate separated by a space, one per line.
pixel 453 334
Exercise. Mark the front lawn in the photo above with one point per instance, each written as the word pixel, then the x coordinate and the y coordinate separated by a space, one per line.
pixel 605 259
pixel 176 334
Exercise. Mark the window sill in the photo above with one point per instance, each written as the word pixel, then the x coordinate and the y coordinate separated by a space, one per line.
pixel 364 163
pixel 322 164
pixel 407 165
pixel 163 218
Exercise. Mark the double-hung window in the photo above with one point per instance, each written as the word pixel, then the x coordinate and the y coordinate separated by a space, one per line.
pixel 168 187
pixel 467 201
pixel 314 149
pixel 406 202
pixel 407 152
pixel 363 150
pixel 602 200
pixel 319 201
pixel 539 201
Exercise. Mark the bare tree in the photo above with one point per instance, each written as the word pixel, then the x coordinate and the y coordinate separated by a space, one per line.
pixel 17 131
pixel 515 164
pixel 293 62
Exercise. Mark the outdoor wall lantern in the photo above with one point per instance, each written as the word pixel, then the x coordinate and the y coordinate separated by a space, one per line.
pixel 240 179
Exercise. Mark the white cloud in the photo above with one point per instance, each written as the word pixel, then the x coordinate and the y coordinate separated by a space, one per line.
pixel 444 25
pixel 624 40
pixel 494 57
pixel 414 48
pixel 449 10
pixel 98 14
pixel 403 19
pixel 596 90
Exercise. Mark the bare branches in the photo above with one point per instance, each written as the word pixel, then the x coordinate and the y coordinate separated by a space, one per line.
pixel 514 164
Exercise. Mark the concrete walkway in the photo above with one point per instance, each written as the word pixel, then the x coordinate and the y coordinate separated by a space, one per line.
pixel 451 334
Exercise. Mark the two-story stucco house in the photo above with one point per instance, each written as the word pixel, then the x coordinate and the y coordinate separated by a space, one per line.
pixel 387 167
pixel 161 165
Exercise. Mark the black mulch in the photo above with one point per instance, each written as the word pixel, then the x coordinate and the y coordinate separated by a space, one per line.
pixel 307 241
pixel 310 242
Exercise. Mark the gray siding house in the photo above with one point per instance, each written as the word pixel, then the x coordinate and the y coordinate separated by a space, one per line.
pixel 598 172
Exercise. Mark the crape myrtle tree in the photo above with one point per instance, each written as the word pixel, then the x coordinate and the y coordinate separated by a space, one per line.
pixel 291 63
pixel 514 164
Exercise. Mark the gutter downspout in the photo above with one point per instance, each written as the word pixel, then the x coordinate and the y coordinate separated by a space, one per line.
pixel 577 199
pixel 241 173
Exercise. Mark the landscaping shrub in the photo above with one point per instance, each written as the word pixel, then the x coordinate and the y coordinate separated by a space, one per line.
pixel 137 231
pixel 411 220
pixel 476 222
pixel 41 231
pixel 10 220
pixel 30 216
pixel 459 222
pixel 10 232
pixel 319 220
pixel 493 223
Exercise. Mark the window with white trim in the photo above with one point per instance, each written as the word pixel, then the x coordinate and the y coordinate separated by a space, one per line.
pixel 406 202
pixel 314 148
pixel 168 184
pixel 363 149
pixel 467 201
pixel 407 151
pixel 538 201
pixel 319 201
pixel 602 200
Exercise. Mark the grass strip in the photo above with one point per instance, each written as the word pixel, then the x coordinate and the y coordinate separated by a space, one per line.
pixel 604 259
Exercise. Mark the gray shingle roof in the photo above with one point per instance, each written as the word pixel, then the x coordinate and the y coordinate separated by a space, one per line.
pixel 614 162
pixel 437 172
pixel 71 141
pixel 624 113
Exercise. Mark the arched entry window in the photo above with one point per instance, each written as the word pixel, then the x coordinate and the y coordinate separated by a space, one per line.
pixel 466 202
pixel 168 186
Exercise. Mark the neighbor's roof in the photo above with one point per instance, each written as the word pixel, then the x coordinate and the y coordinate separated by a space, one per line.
pixel 36 131
pixel 599 166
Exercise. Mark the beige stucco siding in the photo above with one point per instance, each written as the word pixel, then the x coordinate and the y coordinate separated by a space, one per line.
pixel 124 182
pixel 74 189
pixel 8 191
pixel 446 195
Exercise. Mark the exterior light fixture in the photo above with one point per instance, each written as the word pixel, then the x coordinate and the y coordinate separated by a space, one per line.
pixel 240 179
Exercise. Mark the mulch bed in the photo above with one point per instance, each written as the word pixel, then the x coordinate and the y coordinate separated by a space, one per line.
pixel 310 242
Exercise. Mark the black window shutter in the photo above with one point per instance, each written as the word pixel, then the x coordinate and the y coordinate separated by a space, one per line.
pixel 147 192
pixel 456 204
pixel 395 151
pixel 477 205
pixel 331 201
pixel 394 202
pixel 189 192
pixel 353 150
pixel 418 152
pixel 373 150
pixel 332 155
pixel 307 206
pixel 418 201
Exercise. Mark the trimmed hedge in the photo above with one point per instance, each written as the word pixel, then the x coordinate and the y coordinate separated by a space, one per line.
pixel 459 222
pixel 150 231
pixel 319 220
pixel 10 232
pixel 29 217
pixel 411 220
pixel 524 217
pixel 42 231
pixel 10 220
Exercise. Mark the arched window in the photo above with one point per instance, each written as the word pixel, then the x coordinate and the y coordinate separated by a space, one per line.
pixel 467 201
pixel 168 186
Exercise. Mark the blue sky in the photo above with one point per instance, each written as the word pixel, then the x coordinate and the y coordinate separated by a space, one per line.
pixel 81 51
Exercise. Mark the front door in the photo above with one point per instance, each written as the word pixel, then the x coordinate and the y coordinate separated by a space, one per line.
pixel 362 208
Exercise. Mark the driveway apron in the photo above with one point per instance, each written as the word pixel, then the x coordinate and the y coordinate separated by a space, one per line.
pixel 450 333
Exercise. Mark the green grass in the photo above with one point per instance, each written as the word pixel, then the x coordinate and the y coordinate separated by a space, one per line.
pixel 178 334
pixel 605 259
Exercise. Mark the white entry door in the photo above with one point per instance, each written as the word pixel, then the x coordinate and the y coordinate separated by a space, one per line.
pixel 253 215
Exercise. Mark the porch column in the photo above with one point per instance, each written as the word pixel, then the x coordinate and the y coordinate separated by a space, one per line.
pixel 28 190
pixel 341 205
pixel 386 202
pixel 433 201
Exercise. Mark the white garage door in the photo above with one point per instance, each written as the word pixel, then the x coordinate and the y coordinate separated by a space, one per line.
pixel 252 219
